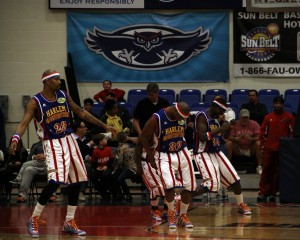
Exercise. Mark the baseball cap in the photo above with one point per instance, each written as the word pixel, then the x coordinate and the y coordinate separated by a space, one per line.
pixel 244 113
pixel 278 99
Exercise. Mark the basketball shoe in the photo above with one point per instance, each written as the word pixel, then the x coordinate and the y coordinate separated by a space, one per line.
pixel 244 209
pixel 72 228
pixel 172 219
pixel 184 221
pixel 156 215
pixel 33 227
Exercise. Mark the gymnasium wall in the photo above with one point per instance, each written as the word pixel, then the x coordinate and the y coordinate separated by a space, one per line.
pixel 33 39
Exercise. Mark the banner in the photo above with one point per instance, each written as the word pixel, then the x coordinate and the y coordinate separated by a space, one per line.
pixel 266 44
pixel 145 47
pixel 146 4
pixel 272 5
pixel 193 4
pixel 97 4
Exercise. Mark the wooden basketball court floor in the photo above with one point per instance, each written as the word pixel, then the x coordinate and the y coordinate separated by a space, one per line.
pixel 131 220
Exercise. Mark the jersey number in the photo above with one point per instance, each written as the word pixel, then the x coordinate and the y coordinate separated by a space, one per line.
pixel 60 127
pixel 175 146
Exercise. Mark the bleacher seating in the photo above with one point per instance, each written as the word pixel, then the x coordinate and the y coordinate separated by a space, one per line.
pixel 211 93
pixel 235 108
pixel 168 94
pixel 292 97
pixel 128 107
pixel 266 96
pixel 189 96
pixel 97 108
pixel 196 107
pixel 135 95
pixel 239 96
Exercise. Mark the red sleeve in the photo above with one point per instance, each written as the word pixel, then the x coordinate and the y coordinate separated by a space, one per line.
pixel 100 95
pixel 119 93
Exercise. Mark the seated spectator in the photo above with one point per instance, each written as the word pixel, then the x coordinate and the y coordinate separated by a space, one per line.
pixel 107 88
pixel 126 165
pixel 111 118
pixel 103 164
pixel 257 109
pixel 86 149
pixel 244 137
pixel 34 165
pixel 13 164
pixel 92 129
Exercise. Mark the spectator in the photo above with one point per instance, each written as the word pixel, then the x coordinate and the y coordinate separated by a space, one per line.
pixel 147 106
pixel 92 129
pixel 34 165
pixel 276 124
pixel 85 146
pixel 104 164
pixel 244 138
pixel 102 95
pixel 111 118
pixel 257 109
pixel 13 164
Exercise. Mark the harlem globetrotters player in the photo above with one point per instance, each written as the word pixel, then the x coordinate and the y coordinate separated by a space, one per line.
pixel 50 109
pixel 171 157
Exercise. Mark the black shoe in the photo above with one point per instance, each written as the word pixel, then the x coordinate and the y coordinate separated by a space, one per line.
pixel 272 198
pixel 261 198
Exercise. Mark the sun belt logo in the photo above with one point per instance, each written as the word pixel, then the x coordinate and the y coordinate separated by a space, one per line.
pixel 261 43
pixel 148 47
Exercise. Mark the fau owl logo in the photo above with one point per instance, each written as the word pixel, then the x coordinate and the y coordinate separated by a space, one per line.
pixel 148 47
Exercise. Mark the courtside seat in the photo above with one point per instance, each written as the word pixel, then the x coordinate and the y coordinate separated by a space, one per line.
pixel 267 96
pixel 190 96
pixel 211 93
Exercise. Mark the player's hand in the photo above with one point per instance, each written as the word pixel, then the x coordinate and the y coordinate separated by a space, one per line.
pixel 12 148
pixel 225 126
pixel 112 130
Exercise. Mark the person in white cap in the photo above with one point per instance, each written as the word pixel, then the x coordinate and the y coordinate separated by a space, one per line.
pixel 244 138
pixel 50 110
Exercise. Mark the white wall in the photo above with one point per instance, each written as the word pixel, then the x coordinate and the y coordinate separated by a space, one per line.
pixel 33 39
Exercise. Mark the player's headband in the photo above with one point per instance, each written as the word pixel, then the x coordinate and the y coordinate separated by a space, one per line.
pixel 220 104
pixel 182 114
pixel 49 76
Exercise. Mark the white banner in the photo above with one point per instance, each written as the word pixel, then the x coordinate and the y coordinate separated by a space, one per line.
pixel 90 4
pixel 273 5
pixel 267 70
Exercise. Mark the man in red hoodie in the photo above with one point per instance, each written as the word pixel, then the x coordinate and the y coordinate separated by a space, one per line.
pixel 276 124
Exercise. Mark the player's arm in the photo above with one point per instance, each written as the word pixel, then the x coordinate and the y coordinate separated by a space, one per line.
pixel 31 107
pixel 85 115
pixel 146 139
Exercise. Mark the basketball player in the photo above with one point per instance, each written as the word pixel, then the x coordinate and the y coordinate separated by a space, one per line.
pixel 51 112
pixel 171 157
pixel 210 129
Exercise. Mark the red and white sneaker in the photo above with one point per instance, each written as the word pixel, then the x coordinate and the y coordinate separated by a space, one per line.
pixel 33 227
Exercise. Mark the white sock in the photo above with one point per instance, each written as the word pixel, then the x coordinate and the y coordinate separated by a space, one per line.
pixel 70 212
pixel 38 210
pixel 183 208
pixel 170 205
pixel 239 199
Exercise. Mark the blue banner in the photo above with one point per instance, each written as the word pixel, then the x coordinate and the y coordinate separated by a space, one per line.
pixel 147 47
